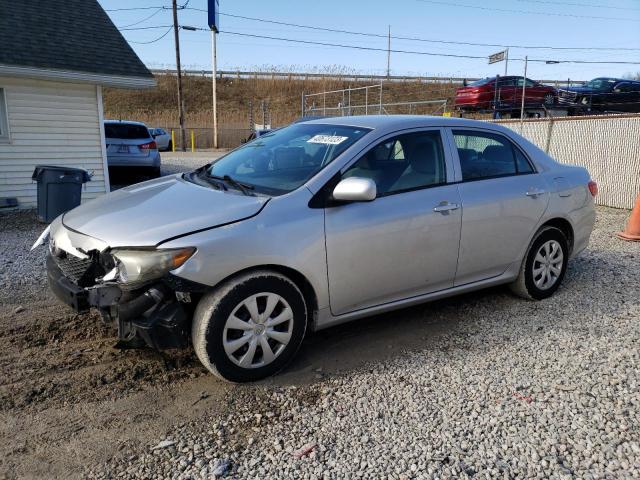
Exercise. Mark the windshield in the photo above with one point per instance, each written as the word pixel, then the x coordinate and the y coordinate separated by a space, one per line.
pixel 280 161
pixel 600 83
pixel 479 83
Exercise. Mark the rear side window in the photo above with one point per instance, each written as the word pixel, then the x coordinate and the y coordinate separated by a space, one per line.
pixel 125 131
pixel 487 155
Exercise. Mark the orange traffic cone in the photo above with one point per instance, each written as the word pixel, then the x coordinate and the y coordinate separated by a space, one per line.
pixel 632 232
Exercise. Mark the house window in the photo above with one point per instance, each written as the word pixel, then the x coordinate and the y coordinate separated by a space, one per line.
pixel 4 119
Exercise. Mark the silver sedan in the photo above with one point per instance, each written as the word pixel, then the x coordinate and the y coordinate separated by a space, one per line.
pixel 317 224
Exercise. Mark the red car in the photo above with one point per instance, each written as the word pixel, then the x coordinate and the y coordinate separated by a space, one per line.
pixel 480 95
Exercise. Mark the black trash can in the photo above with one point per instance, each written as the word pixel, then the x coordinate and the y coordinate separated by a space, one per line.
pixel 59 189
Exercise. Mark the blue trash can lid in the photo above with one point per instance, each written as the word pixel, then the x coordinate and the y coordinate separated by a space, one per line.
pixel 40 169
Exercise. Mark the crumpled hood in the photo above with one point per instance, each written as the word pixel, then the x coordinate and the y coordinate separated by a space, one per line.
pixel 148 213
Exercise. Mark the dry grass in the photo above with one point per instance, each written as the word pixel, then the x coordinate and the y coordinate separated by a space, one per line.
pixel 237 96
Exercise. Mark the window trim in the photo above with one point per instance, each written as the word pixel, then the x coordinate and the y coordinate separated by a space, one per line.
pixel 5 131
pixel 513 144
pixel 393 136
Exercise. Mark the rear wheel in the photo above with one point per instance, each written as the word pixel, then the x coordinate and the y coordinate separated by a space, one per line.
pixel 250 327
pixel 544 265
pixel 155 172
pixel 170 146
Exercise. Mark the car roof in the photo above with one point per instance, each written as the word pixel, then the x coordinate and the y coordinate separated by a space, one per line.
pixel 130 122
pixel 399 121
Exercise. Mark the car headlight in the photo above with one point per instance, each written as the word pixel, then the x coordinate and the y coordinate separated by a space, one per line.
pixel 136 266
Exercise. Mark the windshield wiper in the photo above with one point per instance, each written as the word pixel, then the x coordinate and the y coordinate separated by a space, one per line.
pixel 243 187
pixel 198 174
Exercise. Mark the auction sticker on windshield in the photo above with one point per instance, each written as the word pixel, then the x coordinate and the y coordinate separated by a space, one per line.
pixel 327 139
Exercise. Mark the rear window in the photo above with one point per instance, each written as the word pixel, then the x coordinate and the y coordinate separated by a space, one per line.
pixel 126 131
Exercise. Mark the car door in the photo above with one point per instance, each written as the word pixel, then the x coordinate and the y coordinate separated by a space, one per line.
pixel 624 97
pixel 503 199
pixel 506 91
pixel 532 94
pixel 405 242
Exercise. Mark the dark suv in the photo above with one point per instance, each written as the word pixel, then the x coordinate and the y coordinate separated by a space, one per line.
pixel 602 95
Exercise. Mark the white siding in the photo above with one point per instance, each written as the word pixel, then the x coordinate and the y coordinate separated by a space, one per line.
pixel 51 123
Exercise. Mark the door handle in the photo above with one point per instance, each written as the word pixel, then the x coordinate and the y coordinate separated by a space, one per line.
pixel 446 207
pixel 534 192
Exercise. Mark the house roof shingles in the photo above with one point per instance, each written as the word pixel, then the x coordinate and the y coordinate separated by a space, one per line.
pixel 71 35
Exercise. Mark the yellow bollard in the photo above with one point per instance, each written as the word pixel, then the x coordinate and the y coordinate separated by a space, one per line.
pixel 173 140
pixel 193 141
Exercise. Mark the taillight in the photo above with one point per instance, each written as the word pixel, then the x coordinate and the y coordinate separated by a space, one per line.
pixel 148 146
pixel 593 187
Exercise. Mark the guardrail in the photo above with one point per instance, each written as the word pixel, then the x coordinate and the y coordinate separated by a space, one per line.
pixel 340 76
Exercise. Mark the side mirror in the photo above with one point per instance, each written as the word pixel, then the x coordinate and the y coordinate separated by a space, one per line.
pixel 355 189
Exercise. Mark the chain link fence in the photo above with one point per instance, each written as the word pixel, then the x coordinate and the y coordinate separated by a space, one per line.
pixel 608 146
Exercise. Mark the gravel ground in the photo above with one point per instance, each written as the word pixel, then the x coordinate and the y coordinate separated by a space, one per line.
pixel 171 162
pixel 479 386
pixel 174 162
pixel 503 388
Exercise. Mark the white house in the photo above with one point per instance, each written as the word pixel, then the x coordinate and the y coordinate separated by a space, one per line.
pixel 55 58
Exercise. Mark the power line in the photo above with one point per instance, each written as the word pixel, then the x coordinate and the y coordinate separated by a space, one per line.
pixel 132 8
pixel 144 28
pixel 358 47
pixel 144 19
pixel 608 7
pixel 529 12
pixel 416 39
pixel 154 40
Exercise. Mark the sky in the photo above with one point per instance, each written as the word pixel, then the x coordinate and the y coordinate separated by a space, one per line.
pixel 525 23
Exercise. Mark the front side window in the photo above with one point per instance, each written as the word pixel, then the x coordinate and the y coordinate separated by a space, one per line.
pixel 405 162
pixel 488 155
pixel 506 82
pixel 4 119
pixel 600 83
pixel 282 160
pixel 528 83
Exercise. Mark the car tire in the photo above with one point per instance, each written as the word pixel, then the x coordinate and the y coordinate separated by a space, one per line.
pixel 228 337
pixel 549 99
pixel 544 265
pixel 155 172
pixel 169 146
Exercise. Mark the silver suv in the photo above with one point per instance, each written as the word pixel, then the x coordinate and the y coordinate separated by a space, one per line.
pixel 317 224
pixel 130 146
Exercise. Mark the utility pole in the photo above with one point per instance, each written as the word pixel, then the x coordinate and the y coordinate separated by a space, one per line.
pixel 214 72
pixel 524 84
pixel 506 61
pixel 179 72
pixel 389 52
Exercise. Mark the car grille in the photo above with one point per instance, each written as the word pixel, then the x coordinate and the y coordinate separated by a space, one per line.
pixel 567 97
pixel 75 269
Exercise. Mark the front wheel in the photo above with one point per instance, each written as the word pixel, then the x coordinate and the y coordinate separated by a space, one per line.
pixel 544 265
pixel 549 99
pixel 250 327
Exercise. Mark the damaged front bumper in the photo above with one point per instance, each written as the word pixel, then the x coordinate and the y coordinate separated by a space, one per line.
pixel 152 313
